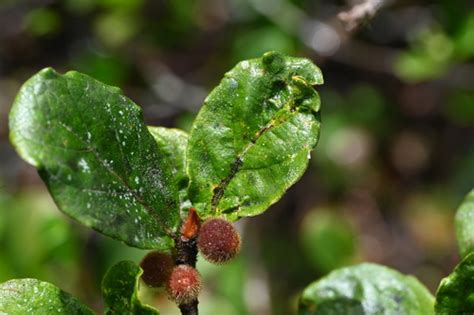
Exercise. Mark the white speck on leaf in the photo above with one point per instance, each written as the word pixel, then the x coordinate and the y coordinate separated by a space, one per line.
pixel 83 165
pixel 233 83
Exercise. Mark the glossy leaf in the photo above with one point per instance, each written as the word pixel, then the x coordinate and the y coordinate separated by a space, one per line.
pixel 253 137
pixel 456 292
pixel 464 223
pixel 95 154
pixel 366 289
pixel 174 142
pixel 120 290
pixel 31 296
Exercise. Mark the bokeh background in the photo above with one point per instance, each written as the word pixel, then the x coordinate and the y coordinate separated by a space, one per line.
pixel 396 154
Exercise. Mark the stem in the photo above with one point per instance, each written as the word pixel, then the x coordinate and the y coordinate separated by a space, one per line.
pixel 186 254
pixel 190 308
pixel 186 251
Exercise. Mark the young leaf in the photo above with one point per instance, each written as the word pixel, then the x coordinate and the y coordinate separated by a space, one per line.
pixel 455 294
pixel 174 142
pixel 120 290
pixel 31 296
pixel 366 289
pixel 464 222
pixel 253 137
pixel 96 156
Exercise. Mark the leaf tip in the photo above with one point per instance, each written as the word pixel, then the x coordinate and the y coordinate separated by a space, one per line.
pixel 46 73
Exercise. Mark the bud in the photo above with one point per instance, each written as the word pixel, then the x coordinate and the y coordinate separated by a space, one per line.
pixel 157 268
pixel 218 241
pixel 190 227
pixel 184 284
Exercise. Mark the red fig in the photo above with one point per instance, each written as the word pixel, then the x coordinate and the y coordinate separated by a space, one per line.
pixel 218 241
pixel 184 284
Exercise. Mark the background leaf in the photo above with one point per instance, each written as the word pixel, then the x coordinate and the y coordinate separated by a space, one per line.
pixel 120 290
pixel 95 154
pixel 464 222
pixel 174 142
pixel 366 289
pixel 456 292
pixel 31 296
pixel 253 136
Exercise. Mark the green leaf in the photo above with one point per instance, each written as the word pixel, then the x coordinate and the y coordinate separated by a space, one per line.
pixel 253 137
pixel 96 156
pixel 455 294
pixel 31 296
pixel 464 222
pixel 366 289
pixel 120 290
pixel 174 142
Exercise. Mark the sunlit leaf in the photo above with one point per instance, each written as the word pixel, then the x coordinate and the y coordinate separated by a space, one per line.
pixel 253 137
pixel 99 161
pixel 31 296
pixel 464 222
pixel 367 289
pixel 456 292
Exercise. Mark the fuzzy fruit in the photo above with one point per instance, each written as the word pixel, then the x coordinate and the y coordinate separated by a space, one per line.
pixel 218 241
pixel 157 269
pixel 184 284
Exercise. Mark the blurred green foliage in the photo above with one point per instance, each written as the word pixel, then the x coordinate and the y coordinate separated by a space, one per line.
pixel 459 107
pixel 434 50
pixel 328 239
pixel 44 248
pixel 42 22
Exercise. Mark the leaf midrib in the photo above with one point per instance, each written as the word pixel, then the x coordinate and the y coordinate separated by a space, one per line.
pixel 93 150
pixel 219 190
pixel 147 207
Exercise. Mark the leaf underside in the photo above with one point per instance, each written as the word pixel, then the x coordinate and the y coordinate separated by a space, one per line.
pixel 120 290
pixel 31 296
pixel 95 154
pixel 368 289
pixel 253 137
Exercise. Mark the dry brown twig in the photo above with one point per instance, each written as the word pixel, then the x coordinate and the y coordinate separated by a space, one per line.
pixel 354 17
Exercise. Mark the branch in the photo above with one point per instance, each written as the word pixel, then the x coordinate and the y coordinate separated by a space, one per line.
pixel 354 17
pixel 186 253
pixel 190 308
